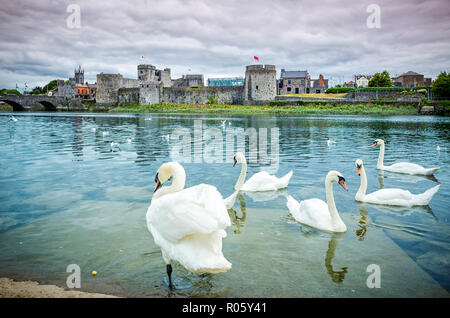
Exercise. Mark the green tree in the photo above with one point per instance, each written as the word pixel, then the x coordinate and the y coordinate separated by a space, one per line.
pixel 49 87
pixel 382 79
pixel 9 91
pixel 37 90
pixel 441 86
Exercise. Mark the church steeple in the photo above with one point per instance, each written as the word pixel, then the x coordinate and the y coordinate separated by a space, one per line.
pixel 79 75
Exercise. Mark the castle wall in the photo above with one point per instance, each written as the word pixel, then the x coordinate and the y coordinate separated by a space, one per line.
pixel 66 89
pixel 127 96
pixel 130 83
pixel 107 88
pixel 259 88
pixel 201 95
pixel 149 95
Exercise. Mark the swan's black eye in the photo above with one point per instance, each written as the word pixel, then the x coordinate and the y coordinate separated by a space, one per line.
pixel 341 178
pixel 358 166
pixel 156 177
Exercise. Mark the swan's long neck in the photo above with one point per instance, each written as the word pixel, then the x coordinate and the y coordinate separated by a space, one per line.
pixel 241 179
pixel 363 187
pixel 380 157
pixel 179 180
pixel 335 218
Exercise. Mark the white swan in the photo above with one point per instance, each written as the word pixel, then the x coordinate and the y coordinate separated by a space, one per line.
pixel 261 181
pixel 12 118
pixel 315 212
pixel 188 224
pixel 390 196
pixel 401 167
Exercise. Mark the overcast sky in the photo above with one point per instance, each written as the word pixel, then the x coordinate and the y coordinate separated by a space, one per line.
pixel 218 38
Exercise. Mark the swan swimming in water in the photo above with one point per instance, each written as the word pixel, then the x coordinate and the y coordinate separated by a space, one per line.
pixel 391 196
pixel 12 118
pixel 261 181
pixel 315 212
pixel 400 167
pixel 188 224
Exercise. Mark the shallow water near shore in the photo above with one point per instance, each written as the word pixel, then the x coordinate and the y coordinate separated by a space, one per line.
pixel 67 197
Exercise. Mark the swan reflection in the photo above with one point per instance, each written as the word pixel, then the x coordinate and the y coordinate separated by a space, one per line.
pixel 236 221
pixel 407 178
pixel 336 276
pixel 267 195
pixel 361 232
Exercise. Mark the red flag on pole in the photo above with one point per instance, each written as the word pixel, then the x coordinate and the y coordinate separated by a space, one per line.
pixel 256 58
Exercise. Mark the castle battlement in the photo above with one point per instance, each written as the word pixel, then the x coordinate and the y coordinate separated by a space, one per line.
pixel 260 67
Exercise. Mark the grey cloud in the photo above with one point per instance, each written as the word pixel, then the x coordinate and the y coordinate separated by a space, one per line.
pixel 218 38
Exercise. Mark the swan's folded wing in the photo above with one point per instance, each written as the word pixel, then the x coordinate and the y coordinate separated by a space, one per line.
pixel 314 212
pixel 199 209
pixel 263 181
pixel 388 195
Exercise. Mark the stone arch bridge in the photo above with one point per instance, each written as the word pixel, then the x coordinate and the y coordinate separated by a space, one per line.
pixel 42 103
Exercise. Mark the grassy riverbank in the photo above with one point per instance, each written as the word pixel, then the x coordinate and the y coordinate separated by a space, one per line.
pixel 270 110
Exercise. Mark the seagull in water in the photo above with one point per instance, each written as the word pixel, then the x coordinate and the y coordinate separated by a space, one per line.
pixel 129 141
pixel 114 145
pixel 148 118
pixel 105 133
pixel 330 142
pixel 93 129
pixel 12 118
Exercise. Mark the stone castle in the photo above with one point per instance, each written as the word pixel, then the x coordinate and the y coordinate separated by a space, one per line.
pixel 154 86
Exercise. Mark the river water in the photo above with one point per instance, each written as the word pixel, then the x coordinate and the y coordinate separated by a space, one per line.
pixel 69 197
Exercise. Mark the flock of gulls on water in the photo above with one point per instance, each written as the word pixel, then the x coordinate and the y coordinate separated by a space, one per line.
pixel 189 224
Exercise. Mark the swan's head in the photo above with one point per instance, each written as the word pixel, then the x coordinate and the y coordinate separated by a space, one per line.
pixel 238 157
pixel 165 173
pixel 336 176
pixel 359 164
pixel 378 142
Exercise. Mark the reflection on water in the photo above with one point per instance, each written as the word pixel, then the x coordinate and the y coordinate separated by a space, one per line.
pixel 238 222
pixel 406 178
pixel 381 178
pixel 361 232
pixel 336 276
pixel 67 198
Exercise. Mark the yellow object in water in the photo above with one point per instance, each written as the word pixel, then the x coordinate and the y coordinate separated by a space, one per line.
pixel 94 273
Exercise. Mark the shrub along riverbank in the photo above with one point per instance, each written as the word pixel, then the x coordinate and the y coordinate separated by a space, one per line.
pixel 279 110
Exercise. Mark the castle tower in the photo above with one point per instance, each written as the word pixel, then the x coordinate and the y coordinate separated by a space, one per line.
pixel 146 73
pixel 260 83
pixel 79 76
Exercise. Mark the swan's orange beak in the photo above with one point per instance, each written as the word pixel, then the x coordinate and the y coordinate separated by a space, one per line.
pixel 158 184
pixel 342 183
pixel 374 144
pixel 358 170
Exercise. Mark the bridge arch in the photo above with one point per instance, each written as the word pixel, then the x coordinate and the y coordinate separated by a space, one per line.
pixel 16 106
pixel 48 106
